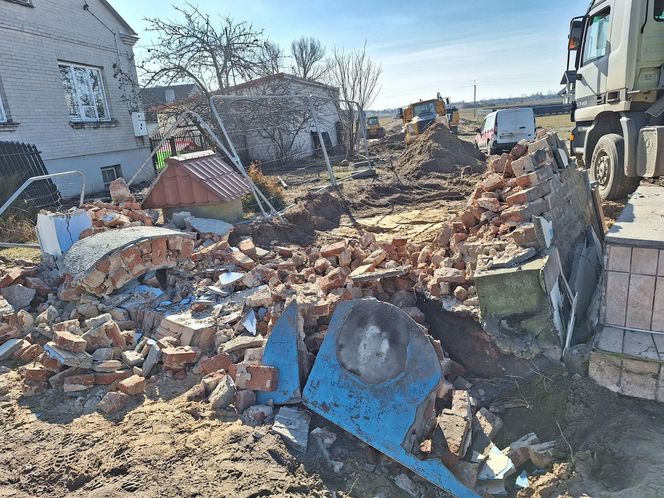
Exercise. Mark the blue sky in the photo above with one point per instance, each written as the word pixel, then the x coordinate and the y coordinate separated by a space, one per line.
pixel 510 47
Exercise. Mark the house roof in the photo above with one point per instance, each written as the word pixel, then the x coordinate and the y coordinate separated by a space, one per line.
pixel 124 23
pixel 278 77
pixel 154 97
pixel 195 179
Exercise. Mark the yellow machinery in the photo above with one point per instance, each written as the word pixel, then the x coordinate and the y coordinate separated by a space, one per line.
pixel 419 116
pixel 374 129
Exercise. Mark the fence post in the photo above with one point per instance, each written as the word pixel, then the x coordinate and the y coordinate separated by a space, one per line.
pixel 174 150
pixel 333 180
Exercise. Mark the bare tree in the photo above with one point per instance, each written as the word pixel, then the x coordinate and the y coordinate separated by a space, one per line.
pixel 356 75
pixel 270 59
pixel 309 59
pixel 213 55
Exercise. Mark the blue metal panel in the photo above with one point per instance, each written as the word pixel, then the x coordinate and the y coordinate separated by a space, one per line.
pixel 382 413
pixel 281 352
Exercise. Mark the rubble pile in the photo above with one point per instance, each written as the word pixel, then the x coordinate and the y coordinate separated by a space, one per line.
pixel 462 437
pixel 123 211
pixel 130 302
pixel 496 230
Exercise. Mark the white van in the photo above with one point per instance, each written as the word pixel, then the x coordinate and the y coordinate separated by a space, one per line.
pixel 502 130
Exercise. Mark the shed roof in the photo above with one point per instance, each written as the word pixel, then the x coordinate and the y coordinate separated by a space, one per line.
pixel 195 179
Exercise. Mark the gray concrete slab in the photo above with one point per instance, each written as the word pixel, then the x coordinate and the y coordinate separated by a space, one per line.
pixel 610 339
pixel 86 252
pixel 640 344
pixel 641 222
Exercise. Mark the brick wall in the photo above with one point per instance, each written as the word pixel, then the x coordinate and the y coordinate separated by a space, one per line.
pixel 33 40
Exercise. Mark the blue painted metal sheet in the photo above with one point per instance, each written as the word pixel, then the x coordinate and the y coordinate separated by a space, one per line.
pixel 280 351
pixel 372 376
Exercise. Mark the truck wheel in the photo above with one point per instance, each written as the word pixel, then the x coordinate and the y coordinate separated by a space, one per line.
pixel 607 168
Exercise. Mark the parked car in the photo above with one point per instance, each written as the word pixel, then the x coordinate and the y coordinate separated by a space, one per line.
pixel 502 129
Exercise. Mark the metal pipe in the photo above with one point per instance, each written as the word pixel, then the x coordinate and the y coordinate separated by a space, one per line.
pixel 42 177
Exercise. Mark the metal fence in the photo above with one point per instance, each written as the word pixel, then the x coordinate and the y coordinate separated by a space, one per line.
pixel 18 162
pixel 180 143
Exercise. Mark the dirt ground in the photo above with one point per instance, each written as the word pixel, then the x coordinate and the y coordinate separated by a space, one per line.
pixel 56 445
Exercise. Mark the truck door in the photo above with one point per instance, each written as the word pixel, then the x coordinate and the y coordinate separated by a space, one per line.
pixel 593 67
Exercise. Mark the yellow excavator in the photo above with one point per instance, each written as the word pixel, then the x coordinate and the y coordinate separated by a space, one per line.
pixel 374 129
pixel 419 116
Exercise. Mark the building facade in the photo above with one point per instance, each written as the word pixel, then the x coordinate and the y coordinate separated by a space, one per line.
pixel 67 85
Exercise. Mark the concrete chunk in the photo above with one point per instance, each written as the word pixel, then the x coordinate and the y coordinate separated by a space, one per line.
pixel 293 426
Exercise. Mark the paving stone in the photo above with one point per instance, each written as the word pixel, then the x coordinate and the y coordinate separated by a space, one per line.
pixel 610 339
pixel 640 344
pixel 658 306
pixel 639 378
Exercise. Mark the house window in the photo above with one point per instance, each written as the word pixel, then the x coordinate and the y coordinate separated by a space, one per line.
pixel 84 91
pixel 110 173
pixel 3 114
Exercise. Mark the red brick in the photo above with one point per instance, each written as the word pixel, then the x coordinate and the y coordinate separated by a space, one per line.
pixel 333 280
pixel 7 332
pixel 132 385
pixel 333 249
pixel 247 247
pixel 66 325
pixel 50 363
pixel 114 333
pixel 178 357
pixel 37 284
pixel 69 341
pixel 221 361
pixel 493 182
pixel 10 277
pixel 35 372
pixel 112 402
pixel 159 252
pixel 254 377
pixel 31 352
pixel 240 259
pixel 107 378
pixel 79 382
pixel 133 260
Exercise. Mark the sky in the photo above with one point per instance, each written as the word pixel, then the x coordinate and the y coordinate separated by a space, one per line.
pixel 509 47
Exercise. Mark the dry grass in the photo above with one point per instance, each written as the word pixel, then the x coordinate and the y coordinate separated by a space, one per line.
pixel 25 253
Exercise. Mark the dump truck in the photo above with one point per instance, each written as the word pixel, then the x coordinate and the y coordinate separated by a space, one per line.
pixel 615 80
pixel 374 129
pixel 419 116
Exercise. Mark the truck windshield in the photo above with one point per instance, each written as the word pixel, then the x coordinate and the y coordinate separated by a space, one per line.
pixel 659 10
pixel 424 108
pixel 372 121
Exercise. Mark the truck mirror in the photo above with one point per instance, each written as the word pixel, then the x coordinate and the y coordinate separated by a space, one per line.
pixel 575 34
pixel 400 112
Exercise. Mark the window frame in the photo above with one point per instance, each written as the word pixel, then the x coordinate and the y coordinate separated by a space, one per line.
pixel 606 12
pixel 81 118
pixel 117 172
pixel 27 3
pixel 4 119
pixel 654 10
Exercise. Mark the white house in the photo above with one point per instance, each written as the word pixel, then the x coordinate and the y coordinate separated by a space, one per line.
pixel 283 129
pixel 67 85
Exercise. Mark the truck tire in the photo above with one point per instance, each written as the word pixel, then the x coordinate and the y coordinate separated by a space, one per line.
pixel 607 168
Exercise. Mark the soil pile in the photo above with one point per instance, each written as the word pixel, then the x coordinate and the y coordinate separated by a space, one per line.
pixel 437 150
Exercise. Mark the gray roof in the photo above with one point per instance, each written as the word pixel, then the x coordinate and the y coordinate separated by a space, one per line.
pixel 155 96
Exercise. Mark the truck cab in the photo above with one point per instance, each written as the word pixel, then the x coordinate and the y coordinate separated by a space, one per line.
pixel 421 115
pixel 616 81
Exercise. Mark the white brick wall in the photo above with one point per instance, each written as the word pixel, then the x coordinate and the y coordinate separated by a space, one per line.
pixel 33 40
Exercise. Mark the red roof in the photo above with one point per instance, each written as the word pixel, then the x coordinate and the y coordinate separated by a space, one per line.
pixel 195 179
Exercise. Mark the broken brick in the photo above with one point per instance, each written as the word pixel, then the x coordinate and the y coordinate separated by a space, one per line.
pixel 132 385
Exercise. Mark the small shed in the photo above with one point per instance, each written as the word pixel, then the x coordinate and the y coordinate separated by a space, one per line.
pixel 201 183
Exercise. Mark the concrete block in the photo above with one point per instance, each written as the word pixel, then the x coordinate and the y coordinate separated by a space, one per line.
pixel 640 301
pixel 57 232
pixel 615 302
pixel 292 425
pixel 605 370
pixel 639 378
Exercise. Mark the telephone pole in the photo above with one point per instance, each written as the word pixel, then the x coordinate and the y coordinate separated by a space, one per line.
pixel 475 99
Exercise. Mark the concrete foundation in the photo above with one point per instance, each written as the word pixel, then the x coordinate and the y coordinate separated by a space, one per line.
pixel 229 212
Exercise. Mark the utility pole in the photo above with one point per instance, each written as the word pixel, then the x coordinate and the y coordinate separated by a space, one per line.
pixel 475 99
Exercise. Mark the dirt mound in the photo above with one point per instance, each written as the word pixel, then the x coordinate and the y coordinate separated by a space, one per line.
pixel 437 150
pixel 317 212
